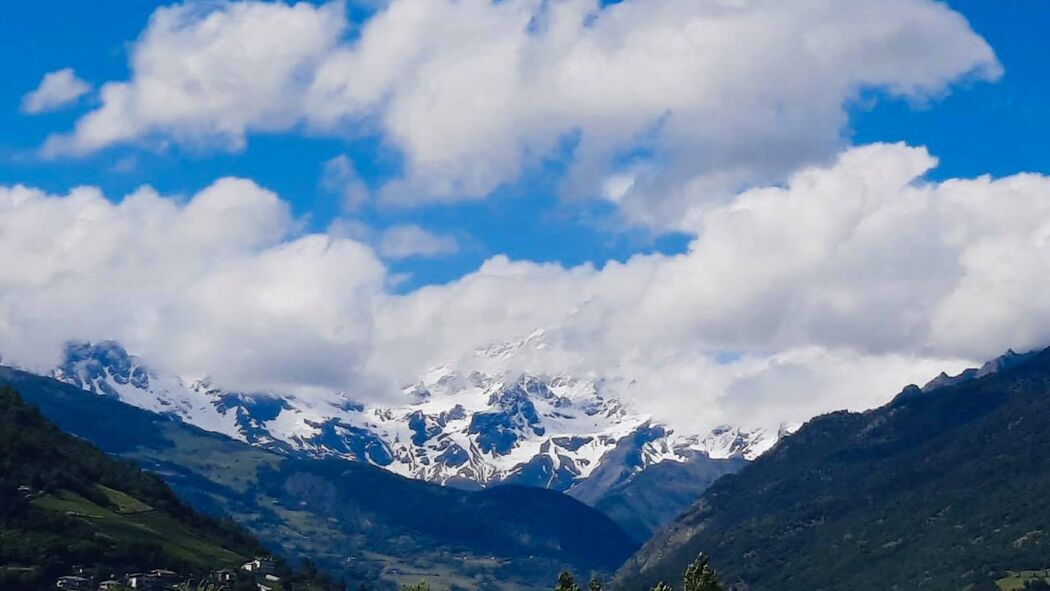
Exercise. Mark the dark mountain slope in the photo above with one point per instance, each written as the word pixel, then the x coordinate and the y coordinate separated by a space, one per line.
pixel 509 522
pixel 947 489
pixel 354 519
pixel 644 501
pixel 643 496
pixel 64 502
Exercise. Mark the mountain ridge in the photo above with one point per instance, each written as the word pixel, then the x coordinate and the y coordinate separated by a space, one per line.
pixel 501 422
pixel 467 429
pixel 943 489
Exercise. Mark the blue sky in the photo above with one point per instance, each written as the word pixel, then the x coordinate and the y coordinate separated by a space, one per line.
pixel 998 128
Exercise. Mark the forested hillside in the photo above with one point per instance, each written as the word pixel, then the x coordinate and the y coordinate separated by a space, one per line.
pixel 64 503
pixel 946 489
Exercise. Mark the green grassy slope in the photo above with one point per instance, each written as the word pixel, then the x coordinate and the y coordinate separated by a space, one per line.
pixel 1030 579
pixel 64 502
pixel 945 490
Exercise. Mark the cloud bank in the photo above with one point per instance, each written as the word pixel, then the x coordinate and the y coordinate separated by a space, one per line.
pixel 217 285
pixel 830 291
pixel 671 102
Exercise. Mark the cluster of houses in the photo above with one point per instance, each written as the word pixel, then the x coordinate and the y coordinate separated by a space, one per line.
pixel 263 569
pixel 157 579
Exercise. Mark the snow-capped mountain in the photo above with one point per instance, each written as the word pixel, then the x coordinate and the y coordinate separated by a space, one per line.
pixel 467 428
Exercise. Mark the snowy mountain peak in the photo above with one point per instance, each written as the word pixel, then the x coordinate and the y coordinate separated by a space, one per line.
pixel 106 368
pixel 93 366
pixel 537 340
pixel 467 428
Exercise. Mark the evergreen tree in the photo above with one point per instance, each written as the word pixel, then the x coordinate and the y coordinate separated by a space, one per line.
pixel 566 582
pixel 594 585
pixel 700 576
pixel 662 586
pixel 420 586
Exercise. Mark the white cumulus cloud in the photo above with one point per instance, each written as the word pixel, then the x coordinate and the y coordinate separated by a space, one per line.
pixel 216 285
pixel 340 177
pixel 56 90
pixel 211 72
pixel 690 99
pixel 831 291
pixel 409 240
